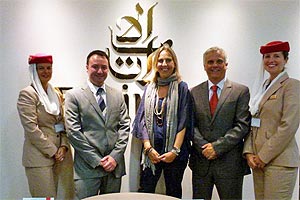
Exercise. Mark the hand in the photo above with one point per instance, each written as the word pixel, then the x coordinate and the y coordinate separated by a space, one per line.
pixel 260 164
pixel 60 154
pixel 208 151
pixel 108 163
pixel 154 156
pixel 250 160
pixel 167 157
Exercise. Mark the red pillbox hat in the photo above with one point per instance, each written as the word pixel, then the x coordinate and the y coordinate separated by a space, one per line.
pixel 275 46
pixel 40 58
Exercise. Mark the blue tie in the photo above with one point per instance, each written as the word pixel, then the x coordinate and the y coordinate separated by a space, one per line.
pixel 101 102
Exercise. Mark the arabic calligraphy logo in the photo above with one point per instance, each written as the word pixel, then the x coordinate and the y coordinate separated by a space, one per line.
pixel 129 41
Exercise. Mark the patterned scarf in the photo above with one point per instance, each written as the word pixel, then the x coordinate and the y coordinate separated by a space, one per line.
pixel 171 114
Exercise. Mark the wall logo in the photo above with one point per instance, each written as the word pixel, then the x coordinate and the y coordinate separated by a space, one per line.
pixel 133 45
pixel 130 49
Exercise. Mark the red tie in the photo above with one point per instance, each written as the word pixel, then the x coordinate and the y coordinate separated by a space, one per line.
pixel 213 100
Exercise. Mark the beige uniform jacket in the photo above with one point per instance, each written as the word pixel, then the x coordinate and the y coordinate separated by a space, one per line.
pixel 279 111
pixel 41 141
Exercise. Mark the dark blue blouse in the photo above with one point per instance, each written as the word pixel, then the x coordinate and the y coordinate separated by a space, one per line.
pixel 184 116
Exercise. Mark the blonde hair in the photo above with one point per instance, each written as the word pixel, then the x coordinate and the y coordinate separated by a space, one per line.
pixel 153 60
pixel 147 78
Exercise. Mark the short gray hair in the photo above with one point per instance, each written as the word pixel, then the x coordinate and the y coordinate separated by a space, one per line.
pixel 214 49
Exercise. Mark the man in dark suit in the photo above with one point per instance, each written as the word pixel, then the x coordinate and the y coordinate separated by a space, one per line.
pixel 222 122
pixel 97 125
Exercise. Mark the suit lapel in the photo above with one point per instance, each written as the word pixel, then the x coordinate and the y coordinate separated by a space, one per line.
pixel 273 89
pixel 90 96
pixel 109 101
pixel 204 96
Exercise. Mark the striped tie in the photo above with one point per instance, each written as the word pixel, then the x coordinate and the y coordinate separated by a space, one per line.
pixel 101 102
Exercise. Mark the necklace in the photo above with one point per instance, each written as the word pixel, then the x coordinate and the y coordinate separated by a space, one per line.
pixel 159 113
pixel 162 107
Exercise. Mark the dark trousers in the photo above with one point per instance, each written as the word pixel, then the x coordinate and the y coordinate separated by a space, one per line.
pixel 173 174
pixel 228 188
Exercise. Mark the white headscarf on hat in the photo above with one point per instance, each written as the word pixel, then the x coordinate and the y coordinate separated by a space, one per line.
pixel 50 100
pixel 260 87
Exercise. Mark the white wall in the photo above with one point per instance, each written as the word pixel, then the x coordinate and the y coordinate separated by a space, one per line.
pixel 70 29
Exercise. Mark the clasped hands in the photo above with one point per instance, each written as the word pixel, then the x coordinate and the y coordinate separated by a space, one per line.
pixel 254 161
pixel 208 151
pixel 60 154
pixel 108 163
pixel 156 158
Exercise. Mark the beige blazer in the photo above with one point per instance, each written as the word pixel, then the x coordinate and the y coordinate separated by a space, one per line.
pixel 40 142
pixel 279 111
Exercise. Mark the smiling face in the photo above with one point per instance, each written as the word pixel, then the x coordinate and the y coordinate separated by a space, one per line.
pixel 165 64
pixel 215 66
pixel 97 69
pixel 274 63
pixel 44 71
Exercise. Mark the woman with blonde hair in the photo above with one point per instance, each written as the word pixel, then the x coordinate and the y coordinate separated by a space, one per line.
pixel 163 124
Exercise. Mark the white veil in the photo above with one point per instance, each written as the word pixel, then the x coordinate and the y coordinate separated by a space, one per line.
pixel 260 87
pixel 50 100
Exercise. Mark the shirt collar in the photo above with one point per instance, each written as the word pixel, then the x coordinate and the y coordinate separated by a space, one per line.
pixel 95 88
pixel 220 84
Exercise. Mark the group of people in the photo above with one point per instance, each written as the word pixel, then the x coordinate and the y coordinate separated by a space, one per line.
pixel 217 128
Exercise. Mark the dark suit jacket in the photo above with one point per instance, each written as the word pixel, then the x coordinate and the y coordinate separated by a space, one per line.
pixel 226 130
pixel 94 136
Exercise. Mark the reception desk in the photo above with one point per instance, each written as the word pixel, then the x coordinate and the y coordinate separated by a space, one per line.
pixel 130 196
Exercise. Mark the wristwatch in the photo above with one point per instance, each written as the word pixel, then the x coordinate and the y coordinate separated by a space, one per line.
pixel 176 151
